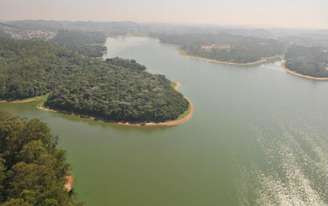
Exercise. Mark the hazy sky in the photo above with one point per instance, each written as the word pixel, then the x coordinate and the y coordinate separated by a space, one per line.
pixel 272 13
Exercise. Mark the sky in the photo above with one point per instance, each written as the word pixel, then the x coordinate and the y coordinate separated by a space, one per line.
pixel 259 13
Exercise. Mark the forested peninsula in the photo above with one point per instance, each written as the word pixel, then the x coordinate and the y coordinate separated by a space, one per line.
pixel 226 48
pixel 115 90
pixel 303 60
pixel 307 62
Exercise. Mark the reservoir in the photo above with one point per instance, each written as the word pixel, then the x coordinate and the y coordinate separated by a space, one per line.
pixel 258 136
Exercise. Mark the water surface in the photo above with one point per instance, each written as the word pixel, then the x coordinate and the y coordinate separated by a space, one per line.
pixel 258 137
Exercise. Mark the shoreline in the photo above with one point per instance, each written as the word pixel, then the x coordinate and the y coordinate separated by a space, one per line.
pixel 23 101
pixel 46 109
pixel 69 182
pixel 187 115
pixel 183 118
pixel 294 73
pixel 213 61
pixel 176 85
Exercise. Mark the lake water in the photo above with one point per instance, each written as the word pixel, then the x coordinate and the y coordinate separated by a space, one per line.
pixel 258 137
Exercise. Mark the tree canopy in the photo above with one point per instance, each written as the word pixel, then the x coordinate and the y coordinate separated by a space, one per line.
pixel 86 43
pixel 32 169
pixel 225 47
pixel 112 90
pixel 312 61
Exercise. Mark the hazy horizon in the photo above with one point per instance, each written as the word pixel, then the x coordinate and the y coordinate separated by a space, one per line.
pixel 255 13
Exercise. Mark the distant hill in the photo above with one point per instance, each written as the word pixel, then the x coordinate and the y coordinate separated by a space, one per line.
pixel 226 44
pixel 114 28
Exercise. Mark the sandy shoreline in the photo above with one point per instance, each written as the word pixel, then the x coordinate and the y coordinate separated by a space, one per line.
pixel 186 116
pixel 69 182
pixel 172 123
pixel 45 109
pixel 212 61
pixel 289 71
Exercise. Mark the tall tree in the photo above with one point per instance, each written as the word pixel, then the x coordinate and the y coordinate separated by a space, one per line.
pixel 32 170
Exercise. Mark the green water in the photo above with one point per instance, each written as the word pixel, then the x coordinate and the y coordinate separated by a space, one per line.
pixel 258 137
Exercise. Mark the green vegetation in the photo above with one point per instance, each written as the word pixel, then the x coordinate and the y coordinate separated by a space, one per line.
pixel 112 90
pixel 225 47
pixel 118 92
pixel 312 61
pixel 86 43
pixel 30 68
pixel 306 60
pixel 231 45
pixel 32 169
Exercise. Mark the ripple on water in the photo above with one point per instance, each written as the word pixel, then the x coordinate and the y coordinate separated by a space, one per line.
pixel 295 167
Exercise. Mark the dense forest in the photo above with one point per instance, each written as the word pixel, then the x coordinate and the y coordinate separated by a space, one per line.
pixel 225 47
pixel 118 90
pixel 32 169
pixel 86 43
pixel 312 61
pixel 112 90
